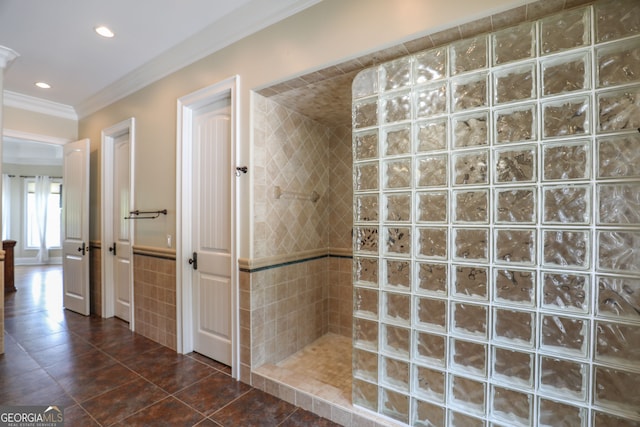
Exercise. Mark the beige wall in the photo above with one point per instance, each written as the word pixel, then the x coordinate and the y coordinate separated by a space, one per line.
pixel 328 33
pixel 16 119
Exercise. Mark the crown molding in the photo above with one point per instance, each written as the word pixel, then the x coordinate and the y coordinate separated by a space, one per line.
pixel 39 105
pixel 250 18
pixel 7 56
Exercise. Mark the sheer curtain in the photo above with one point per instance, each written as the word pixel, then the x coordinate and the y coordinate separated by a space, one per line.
pixel 42 190
pixel 6 206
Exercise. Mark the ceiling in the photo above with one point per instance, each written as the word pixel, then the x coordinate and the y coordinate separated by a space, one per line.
pixel 57 44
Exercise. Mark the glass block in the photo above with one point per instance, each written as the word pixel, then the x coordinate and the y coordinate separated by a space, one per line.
pixel 365 394
pixel 395 373
pixel 619 204
pixel 430 348
pixel 432 171
pixel 432 278
pixel 566 291
pixel 366 270
pixel 468 357
pixel 619 110
pixel 566 248
pixel 458 419
pixel 470 130
pixel 395 405
pixel 616 388
pixel 510 406
pixel 398 274
pixel 398 207
pixel 431 135
pixel 618 250
pixel 569 204
pixel 471 206
pixel 397 140
pixel 397 173
pixel 470 319
pixel 397 307
pixel 397 108
pixel 601 419
pixel 365 334
pixel 564 334
pixel 396 74
pixel 365 365
pixel 514 43
pixel 565 378
pixel 515 286
pixel 566 118
pixel 428 414
pixel 430 383
pixel 566 30
pixel 513 367
pixel 619 297
pixel 365 176
pixel 516 205
pixel 431 100
pixel 365 302
pixel 468 394
pixel 365 145
pixel 619 156
pixel 469 92
pixel 432 206
pixel 468 55
pixel 365 83
pixel 515 84
pixel 432 242
pixel 398 240
pixel 515 124
pixel 366 207
pixel 516 164
pixel 618 64
pixel 431 313
pixel 471 244
pixel 396 341
pixel 515 246
pixel 517 328
pixel 617 342
pixel 566 74
pixel 365 114
pixel 365 239
pixel 430 65
pixel 470 281
pixel 471 168
pixel 616 19
pixel 566 161
pixel 552 413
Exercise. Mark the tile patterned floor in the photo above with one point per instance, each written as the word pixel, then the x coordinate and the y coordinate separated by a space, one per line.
pixel 105 375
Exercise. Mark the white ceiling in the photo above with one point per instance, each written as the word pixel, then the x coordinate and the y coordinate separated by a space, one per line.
pixel 57 43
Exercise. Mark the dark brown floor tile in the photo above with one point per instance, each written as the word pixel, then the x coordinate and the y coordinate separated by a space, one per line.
pixel 128 347
pixel 169 412
pixel 123 401
pixel 212 393
pixel 208 423
pixel 33 388
pixel 213 363
pixel 86 363
pixel 175 377
pixel 75 347
pixel 302 418
pixel 85 385
pixel 47 341
pixel 75 416
pixel 15 361
pixel 155 361
pixel 255 408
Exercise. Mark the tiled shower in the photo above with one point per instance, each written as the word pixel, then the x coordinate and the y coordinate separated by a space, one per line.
pixel 497 227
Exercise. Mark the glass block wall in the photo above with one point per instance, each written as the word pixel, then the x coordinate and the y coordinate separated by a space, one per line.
pixel 497 227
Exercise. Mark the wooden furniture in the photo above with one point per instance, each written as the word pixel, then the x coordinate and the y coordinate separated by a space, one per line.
pixel 9 285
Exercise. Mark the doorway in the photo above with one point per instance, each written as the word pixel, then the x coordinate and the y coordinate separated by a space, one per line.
pixel 206 214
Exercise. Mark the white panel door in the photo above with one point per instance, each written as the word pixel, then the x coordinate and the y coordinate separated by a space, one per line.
pixel 122 241
pixel 75 211
pixel 211 228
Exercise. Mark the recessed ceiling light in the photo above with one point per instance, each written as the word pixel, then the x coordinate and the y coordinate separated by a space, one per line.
pixel 104 31
pixel 43 85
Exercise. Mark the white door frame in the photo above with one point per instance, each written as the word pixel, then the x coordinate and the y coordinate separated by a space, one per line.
pixel 184 197
pixel 109 136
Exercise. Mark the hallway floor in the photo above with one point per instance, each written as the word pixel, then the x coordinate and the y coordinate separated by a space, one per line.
pixel 103 374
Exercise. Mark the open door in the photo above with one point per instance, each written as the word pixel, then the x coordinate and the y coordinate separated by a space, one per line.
pixel 75 214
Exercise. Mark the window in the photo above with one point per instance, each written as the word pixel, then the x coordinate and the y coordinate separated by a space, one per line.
pixel 54 210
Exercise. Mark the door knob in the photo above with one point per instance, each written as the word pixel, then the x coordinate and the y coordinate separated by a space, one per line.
pixel 113 249
pixel 194 261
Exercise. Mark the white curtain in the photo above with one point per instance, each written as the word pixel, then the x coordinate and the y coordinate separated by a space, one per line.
pixel 6 206
pixel 42 190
